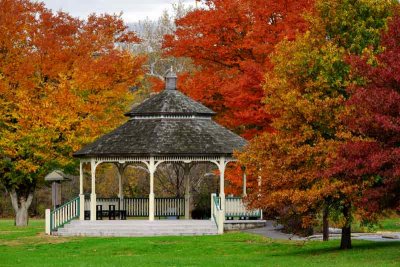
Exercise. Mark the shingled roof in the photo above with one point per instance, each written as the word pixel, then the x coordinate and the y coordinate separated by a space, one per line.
pixel 170 102
pixel 167 124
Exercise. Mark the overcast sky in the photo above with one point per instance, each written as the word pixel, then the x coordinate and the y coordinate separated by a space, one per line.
pixel 133 10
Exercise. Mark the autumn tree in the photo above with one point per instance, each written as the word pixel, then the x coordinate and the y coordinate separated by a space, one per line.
pixel 306 93
pixel 63 81
pixel 372 157
pixel 230 42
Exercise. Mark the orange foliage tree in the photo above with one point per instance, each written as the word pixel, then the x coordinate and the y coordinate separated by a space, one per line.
pixel 63 81
pixel 230 42
pixel 306 93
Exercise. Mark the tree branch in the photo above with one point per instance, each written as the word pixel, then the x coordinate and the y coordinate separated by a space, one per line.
pixel 14 199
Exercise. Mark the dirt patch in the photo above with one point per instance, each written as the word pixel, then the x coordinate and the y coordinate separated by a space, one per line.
pixel 39 239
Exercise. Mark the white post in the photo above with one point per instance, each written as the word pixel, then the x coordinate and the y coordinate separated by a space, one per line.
pixel 47 220
pixel 152 169
pixel 120 171
pixel 93 193
pixel 222 191
pixel 187 191
pixel 221 220
pixel 212 207
pixel 81 195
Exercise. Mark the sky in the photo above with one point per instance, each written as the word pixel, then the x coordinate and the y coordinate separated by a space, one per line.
pixel 133 10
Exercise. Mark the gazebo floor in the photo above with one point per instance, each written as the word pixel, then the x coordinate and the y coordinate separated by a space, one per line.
pixel 138 228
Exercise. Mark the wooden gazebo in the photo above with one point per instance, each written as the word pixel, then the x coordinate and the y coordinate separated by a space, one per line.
pixel 166 128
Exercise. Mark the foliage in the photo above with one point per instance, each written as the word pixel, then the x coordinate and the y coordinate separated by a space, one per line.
pixel 355 25
pixel 230 42
pixel 63 82
pixel 28 247
pixel 372 157
pixel 305 93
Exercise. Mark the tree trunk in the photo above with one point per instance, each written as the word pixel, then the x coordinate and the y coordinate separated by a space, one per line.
pixel 21 205
pixel 345 242
pixel 325 224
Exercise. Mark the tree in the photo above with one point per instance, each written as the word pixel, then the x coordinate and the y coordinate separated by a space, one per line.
pixel 151 34
pixel 63 81
pixel 305 93
pixel 372 157
pixel 230 42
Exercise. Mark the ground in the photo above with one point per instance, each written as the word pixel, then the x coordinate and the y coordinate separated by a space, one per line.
pixel 389 227
pixel 30 247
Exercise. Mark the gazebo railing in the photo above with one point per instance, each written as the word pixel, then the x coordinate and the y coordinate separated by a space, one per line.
pixel 136 207
pixel 169 207
pixel 139 207
pixel 64 214
pixel 235 207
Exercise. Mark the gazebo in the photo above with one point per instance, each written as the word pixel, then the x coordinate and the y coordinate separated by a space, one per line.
pixel 168 127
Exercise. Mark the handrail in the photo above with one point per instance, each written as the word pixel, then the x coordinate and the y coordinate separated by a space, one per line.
pixel 64 214
pixel 217 202
pixel 217 213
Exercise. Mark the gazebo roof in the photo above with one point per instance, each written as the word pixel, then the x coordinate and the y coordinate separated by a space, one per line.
pixel 167 124
pixel 170 102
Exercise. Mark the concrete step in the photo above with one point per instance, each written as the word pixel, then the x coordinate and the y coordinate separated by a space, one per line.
pixel 118 234
pixel 141 222
pixel 138 228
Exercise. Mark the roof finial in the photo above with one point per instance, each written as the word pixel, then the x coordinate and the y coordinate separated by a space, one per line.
pixel 170 80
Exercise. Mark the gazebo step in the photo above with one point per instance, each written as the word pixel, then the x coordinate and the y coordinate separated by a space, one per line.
pixel 139 228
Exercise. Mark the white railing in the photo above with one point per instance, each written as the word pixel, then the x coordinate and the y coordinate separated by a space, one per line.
pixel 235 207
pixel 63 214
pixel 169 207
pixel 217 214
pixel 136 207
pixel 105 203
pixel 139 207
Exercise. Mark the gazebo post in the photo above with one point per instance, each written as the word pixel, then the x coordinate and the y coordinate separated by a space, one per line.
pixel 81 195
pixel 93 193
pixel 152 169
pixel 222 185
pixel 120 194
pixel 120 174
pixel 186 171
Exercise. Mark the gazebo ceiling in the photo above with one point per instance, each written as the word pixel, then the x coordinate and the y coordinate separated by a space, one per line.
pixel 167 124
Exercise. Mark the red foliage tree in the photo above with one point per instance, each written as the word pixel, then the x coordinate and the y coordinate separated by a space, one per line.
pixel 230 41
pixel 372 158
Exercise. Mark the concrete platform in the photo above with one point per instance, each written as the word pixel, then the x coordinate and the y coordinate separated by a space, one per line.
pixel 139 228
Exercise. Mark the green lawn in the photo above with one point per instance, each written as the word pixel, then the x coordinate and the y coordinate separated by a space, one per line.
pixel 390 224
pixel 30 247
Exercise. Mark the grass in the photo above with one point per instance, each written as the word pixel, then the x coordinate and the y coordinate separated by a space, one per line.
pixel 30 247
pixel 390 224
